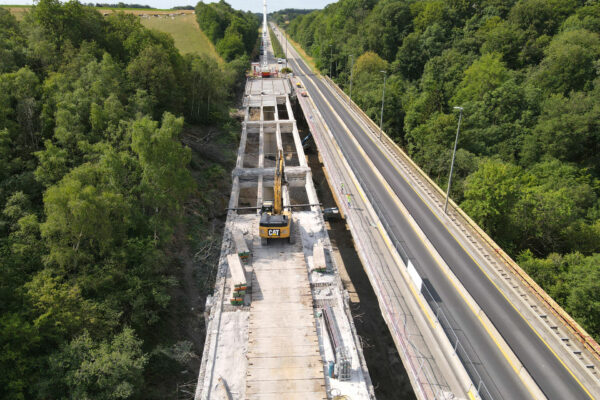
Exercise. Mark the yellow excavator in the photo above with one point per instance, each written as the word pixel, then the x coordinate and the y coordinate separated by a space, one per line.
pixel 275 222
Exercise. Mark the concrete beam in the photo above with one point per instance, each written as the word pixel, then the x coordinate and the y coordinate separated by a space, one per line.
pixel 261 146
pixel 278 136
pixel 235 192
pixel 290 172
pixel 299 149
pixel 259 194
pixel 241 150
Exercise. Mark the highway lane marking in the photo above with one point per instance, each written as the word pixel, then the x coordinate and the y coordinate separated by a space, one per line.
pixel 433 253
pixel 378 222
pixel 391 162
pixel 382 232
pixel 379 226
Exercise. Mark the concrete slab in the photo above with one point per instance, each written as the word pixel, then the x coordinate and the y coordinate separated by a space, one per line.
pixel 285 387
pixel 282 326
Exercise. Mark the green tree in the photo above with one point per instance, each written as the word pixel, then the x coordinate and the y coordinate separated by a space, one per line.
pixel 482 76
pixel 103 370
pixel 166 181
pixel 82 213
pixel 570 62
pixel 231 46
pixel 568 130
pixel 152 71
pixel 491 193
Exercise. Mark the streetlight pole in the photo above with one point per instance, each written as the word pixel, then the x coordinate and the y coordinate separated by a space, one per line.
pixel 453 156
pixel 382 103
pixel 330 60
pixel 286 56
pixel 351 74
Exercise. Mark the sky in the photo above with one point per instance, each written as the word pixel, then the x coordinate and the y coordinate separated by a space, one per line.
pixel 245 5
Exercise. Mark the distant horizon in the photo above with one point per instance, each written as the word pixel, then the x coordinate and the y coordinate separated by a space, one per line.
pixel 244 5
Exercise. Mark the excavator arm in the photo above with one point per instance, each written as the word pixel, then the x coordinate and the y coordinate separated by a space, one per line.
pixel 277 184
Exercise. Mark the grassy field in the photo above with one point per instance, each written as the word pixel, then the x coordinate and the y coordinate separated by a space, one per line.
pixel 181 25
pixel 18 11
pixel 184 29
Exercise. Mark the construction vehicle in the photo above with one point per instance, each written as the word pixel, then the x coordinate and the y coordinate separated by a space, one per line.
pixel 275 222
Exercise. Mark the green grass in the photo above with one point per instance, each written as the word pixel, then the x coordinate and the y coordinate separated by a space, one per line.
pixel 186 33
pixel 184 28
pixel 277 51
pixel 18 11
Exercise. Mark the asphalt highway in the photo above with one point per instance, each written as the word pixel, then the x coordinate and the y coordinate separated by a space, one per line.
pixel 498 375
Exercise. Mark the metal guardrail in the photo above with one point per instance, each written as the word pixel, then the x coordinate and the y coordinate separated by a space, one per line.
pixel 459 349
pixel 411 353
pixel 440 315
pixel 582 336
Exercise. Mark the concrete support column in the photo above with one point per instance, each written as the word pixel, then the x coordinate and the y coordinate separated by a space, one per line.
pixel 285 193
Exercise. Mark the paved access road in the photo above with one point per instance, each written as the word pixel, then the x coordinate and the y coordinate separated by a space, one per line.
pixel 498 375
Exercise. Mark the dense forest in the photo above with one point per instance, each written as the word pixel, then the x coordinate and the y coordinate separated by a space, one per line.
pixel 233 32
pixel 526 73
pixel 94 180
pixel 288 14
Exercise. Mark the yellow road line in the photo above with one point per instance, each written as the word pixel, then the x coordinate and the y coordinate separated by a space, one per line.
pixel 475 261
pixel 380 228
pixel 411 221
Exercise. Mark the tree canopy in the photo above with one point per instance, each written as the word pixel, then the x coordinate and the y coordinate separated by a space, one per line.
pixel 93 182
pixel 526 74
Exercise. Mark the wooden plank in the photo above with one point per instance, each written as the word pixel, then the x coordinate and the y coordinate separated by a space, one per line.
pixel 286 387
pixel 284 341
pixel 283 351
pixel 292 362
pixel 283 373
pixel 275 332
pixel 289 396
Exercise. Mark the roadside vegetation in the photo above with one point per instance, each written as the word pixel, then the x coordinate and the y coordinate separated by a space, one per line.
pixel 107 221
pixel 525 71
pixel 233 32
pixel 277 50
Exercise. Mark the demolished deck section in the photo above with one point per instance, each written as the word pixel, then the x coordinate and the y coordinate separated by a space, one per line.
pixel 267 337
pixel 283 349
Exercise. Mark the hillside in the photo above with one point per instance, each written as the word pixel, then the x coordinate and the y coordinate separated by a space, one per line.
pixel 527 167
pixel 114 149
pixel 186 33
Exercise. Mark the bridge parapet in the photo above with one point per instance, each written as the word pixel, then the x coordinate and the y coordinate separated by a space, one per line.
pixel 534 303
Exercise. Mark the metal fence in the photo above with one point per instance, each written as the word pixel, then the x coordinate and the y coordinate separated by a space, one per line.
pixel 404 254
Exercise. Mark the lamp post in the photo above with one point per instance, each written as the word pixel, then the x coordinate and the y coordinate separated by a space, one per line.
pixel 351 74
pixel 286 56
pixel 453 156
pixel 382 103
pixel 330 59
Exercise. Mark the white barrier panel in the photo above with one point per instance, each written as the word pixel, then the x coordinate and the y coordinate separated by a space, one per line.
pixel 414 276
